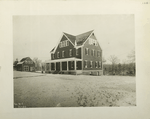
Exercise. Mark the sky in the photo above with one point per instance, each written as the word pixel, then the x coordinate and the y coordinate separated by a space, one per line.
pixel 35 36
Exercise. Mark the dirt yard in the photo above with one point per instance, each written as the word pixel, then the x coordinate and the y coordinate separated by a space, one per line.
pixel 49 90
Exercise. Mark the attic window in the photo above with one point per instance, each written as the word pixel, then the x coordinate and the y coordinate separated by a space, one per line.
pixel 93 42
pixel 63 43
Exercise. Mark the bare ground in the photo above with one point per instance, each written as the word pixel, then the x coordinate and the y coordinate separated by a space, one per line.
pixel 49 90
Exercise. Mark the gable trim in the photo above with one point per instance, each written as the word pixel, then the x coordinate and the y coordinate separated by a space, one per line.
pixel 87 38
pixel 98 42
pixel 57 44
pixel 68 39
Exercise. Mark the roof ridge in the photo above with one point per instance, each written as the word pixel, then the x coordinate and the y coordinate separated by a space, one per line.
pixel 85 32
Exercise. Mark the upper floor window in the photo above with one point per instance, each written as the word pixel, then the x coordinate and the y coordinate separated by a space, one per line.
pixel 86 51
pixel 70 52
pixel 98 53
pixel 85 64
pixel 64 43
pixel 99 64
pixel 77 51
pixel 63 53
pixel 93 52
pixel 57 54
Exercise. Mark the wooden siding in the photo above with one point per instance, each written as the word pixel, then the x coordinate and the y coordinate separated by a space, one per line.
pixel 66 51
pixel 89 57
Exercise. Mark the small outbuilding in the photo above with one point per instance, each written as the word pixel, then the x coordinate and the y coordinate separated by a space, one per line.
pixel 26 64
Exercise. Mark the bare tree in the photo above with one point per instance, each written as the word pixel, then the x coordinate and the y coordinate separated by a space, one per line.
pixel 103 60
pixel 37 63
pixel 114 60
pixel 132 61
pixel 131 56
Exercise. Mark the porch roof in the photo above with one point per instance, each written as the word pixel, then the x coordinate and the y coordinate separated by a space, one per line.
pixel 62 60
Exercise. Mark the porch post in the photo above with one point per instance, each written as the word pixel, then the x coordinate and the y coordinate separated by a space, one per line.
pixel 75 66
pixel 55 66
pixel 67 65
pixel 60 66
pixel 49 66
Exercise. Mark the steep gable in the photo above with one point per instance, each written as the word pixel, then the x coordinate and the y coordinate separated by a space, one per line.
pixel 80 39
pixel 71 38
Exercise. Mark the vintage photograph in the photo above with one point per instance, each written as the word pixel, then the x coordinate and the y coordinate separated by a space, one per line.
pixel 74 61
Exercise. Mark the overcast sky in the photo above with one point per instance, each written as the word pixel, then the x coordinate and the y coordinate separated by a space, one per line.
pixel 35 36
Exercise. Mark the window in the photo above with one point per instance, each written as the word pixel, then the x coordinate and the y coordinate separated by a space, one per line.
pixel 93 42
pixel 91 64
pixel 64 43
pixel 85 64
pixel 26 68
pixel 76 51
pixel 96 64
pixel 57 54
pixel 63 52
pixel 99 64
pixel 53 56
pixel 67 43
pixel 70 52
pixel 86 51
pixel 93 52
pixel 98 53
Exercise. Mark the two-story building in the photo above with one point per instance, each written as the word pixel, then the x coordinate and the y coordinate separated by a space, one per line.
pixel 79 54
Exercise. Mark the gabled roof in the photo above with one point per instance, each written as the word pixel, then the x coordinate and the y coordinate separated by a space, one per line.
pixel 80 39
pixel 71 37
pixel 23 59
pixel 77 40
pixel 52 49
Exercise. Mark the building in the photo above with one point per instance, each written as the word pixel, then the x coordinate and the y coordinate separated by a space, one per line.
pixel 79 54
pixel 26 64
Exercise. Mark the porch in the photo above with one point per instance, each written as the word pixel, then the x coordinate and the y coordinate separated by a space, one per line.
pixel 68 65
